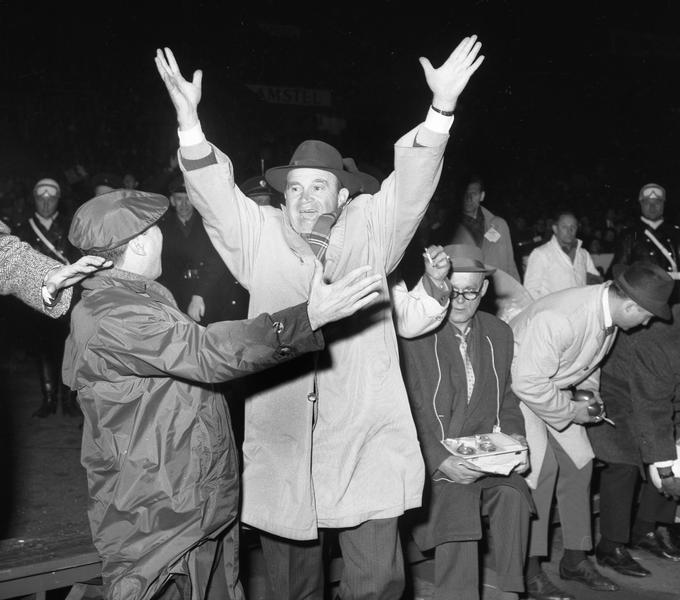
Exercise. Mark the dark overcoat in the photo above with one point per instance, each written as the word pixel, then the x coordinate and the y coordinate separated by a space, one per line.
pixel 639 385
pixel 436 385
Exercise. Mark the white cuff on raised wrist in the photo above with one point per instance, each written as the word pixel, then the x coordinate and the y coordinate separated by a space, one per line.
pixel 191 137
pixel 663 463
pixel 437 122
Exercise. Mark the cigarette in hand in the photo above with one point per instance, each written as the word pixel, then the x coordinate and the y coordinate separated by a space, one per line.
pixel 426 254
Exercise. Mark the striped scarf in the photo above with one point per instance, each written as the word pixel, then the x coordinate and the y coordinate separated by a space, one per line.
pixel 320 234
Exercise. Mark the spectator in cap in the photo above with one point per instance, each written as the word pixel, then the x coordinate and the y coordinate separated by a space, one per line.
pixel 157 443
pixel 46 231
pixel 350 402
pixel 458 379
pixel 202 285
pixel 652 237
pixel 560 342
pixel 260 192
pixel 103 183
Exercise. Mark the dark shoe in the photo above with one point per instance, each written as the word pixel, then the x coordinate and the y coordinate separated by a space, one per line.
pixel 47 408
pixel 655 543
pixel 586 573
pixel 674 533
pixel 621 561
pixel 540 587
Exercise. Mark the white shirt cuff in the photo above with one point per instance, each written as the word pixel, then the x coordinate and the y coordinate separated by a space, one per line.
pixel 191 137
pixel 437 122
pixel 663 463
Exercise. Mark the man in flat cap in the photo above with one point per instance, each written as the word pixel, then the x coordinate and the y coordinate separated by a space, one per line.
pixel 330 442
pixel 46 231
pixel 157 442
pixel 260 192
pixel 652 237
pixel 560 342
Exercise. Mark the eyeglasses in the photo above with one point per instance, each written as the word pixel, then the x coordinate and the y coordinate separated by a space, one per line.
pixel 467 294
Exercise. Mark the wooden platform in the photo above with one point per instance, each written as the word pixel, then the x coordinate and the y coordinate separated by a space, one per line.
pixel 36 566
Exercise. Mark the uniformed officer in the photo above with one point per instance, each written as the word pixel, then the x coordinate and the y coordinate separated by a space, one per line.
pixel 46 231
pixel 651 238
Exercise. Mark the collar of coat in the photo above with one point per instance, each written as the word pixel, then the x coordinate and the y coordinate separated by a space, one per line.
pixel 119 278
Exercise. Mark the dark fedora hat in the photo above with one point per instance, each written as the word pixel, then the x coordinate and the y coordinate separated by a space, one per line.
pixel 466 258
pixel 314 154
pixel 647 284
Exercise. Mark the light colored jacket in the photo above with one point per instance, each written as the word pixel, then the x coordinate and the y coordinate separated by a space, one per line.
pixel 353 454
pixel 559 342
pixel 549 269
pixel 415 311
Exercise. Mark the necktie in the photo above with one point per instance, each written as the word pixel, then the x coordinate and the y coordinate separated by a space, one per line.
pixel 469 371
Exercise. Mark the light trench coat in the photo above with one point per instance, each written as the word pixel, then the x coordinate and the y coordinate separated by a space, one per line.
pixel 560 341
pixel 353 454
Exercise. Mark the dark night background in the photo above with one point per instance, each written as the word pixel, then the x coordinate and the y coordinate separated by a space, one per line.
pixel 576 102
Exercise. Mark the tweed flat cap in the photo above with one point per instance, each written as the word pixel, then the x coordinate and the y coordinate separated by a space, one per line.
pixel 113 219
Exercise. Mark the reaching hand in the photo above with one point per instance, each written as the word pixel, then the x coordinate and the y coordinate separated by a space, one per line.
pixel 330 302
pixel 438 264
pixel 448 81
pixel 582 414
pixel 185 95
pixel 68 275
pixel 196 309
pixel 460 470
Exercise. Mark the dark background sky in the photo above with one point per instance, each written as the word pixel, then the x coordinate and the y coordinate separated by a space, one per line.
pixel 569 91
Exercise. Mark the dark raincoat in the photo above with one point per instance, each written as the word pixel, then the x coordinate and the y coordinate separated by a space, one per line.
pixel 157 443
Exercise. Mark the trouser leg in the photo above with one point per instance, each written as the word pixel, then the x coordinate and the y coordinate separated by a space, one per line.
pixel 655 507
pixel 573 500
pixel 543 496
pixel 508 513
pixel 373 561
pixel 617 495
pixel 456 571
pixel 294 569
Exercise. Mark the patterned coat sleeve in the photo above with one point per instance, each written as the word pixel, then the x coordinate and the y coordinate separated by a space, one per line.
pixel 22 271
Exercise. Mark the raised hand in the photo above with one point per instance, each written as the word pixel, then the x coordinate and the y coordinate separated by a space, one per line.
pixel 448 81
pixel 437 264
pixel 330 302
pixel 185 95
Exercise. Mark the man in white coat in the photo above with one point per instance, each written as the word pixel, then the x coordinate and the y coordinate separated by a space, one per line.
pixel 560 340
pixel 561 262
pixel 329 442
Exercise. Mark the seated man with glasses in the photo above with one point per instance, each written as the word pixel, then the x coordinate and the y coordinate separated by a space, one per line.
pixel 458 380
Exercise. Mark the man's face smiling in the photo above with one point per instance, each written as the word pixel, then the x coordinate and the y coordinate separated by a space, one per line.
pixel 311 193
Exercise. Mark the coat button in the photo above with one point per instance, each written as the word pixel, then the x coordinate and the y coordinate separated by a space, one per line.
pixel 283 351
